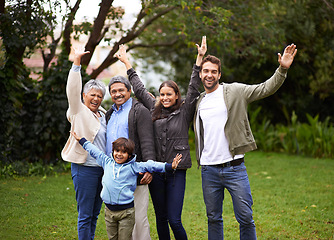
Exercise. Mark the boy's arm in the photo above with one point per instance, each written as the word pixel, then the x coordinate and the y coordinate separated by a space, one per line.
pixel 94 151
pixel 152 166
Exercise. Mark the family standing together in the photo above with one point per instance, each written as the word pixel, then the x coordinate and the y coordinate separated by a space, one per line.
pixel 140 147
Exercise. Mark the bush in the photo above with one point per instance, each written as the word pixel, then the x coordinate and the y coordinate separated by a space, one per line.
pixel 314 138
pixel 24 168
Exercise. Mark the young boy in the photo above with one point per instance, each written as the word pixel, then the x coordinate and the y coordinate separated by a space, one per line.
pixel 119 182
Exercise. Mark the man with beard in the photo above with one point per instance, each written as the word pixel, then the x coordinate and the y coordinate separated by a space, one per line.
pixel 130 119
pixel 223 136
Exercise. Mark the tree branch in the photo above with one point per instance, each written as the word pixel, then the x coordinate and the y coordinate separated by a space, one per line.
pixel 47 58
pixel 68 27
pixel 95 36
pixel 132 34
pixel 328 4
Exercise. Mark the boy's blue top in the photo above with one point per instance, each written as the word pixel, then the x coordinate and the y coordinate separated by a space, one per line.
pixel 120 180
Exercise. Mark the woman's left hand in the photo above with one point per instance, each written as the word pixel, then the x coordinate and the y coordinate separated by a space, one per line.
pixel 176 160
pixel 75 136
pixel 121 55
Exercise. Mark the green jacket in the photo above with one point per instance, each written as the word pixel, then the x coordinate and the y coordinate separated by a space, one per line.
pixel 237 129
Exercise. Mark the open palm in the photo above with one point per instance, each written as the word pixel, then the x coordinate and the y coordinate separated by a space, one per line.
pixel 288 55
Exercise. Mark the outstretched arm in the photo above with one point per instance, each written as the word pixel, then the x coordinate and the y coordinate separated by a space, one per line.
pixel 288 55
pixel 74 82
pixel 195 81
pixel 201 51
pixel 138 87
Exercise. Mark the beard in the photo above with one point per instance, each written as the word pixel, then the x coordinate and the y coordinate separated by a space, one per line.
pixel 210 87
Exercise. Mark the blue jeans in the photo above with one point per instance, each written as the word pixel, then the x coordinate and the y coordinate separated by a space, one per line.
pixel 88 185
pixel 167 193
pixel 235 180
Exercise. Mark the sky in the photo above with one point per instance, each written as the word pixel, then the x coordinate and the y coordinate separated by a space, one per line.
pixel 90 8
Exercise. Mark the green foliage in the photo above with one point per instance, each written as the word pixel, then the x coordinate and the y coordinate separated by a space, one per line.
pixel 19 169
pixel 184 26
pixel 24 25
pixel 309 87
pixel 23 28
pixel 2 55
pixel 245 35
pixel 51 122
pixel 313 138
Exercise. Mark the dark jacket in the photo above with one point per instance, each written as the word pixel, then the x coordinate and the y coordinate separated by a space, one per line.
pixel 140 131
pixel 171 133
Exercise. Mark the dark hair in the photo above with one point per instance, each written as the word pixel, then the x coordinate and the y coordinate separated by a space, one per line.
pixel 157 112
pixel 119 79
pixel 213 60
pixel 125 144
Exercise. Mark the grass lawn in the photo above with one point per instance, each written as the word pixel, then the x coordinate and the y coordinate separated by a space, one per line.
pixel 293 199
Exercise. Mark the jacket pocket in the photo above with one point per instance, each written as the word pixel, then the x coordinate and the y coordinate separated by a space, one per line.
pixel 80 150
pixel 181 147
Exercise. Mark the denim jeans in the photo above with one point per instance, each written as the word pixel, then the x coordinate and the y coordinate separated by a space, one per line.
pixel 235 180
pixel 167 193
pixel 87 184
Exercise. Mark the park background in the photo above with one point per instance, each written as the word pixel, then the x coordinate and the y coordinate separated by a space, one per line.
pixel 294 123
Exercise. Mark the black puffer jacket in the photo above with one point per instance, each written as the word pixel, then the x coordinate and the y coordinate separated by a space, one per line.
pixel 171 133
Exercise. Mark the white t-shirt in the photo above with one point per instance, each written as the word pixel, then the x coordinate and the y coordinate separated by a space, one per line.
pixel 213 112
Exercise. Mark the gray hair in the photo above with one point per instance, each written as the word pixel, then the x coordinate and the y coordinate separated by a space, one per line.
pixel 119 79
pixel 95 84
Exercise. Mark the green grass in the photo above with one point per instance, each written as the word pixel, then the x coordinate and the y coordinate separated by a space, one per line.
pixel 293 199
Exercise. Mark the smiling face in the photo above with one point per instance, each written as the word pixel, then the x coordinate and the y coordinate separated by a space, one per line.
pixel 168 96
pixel 93 99
pixel 119 93
pixel 210 76
pixel 120 155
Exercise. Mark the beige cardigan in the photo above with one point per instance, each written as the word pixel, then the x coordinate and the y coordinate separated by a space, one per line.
pixel 83 121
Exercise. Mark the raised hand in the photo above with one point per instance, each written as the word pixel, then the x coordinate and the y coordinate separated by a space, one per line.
pixel 78 53
pixel 121 55
pixel 176 160
pixel 288 55
pixel 202 49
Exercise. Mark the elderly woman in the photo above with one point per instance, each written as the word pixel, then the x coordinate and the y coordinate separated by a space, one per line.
pixel 87 119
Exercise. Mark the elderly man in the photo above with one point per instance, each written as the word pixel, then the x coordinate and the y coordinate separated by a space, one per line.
pixel 130 119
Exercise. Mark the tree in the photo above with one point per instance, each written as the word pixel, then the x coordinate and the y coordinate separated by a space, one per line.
pixel 22 29
pixel 38 119
pixel 245 35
